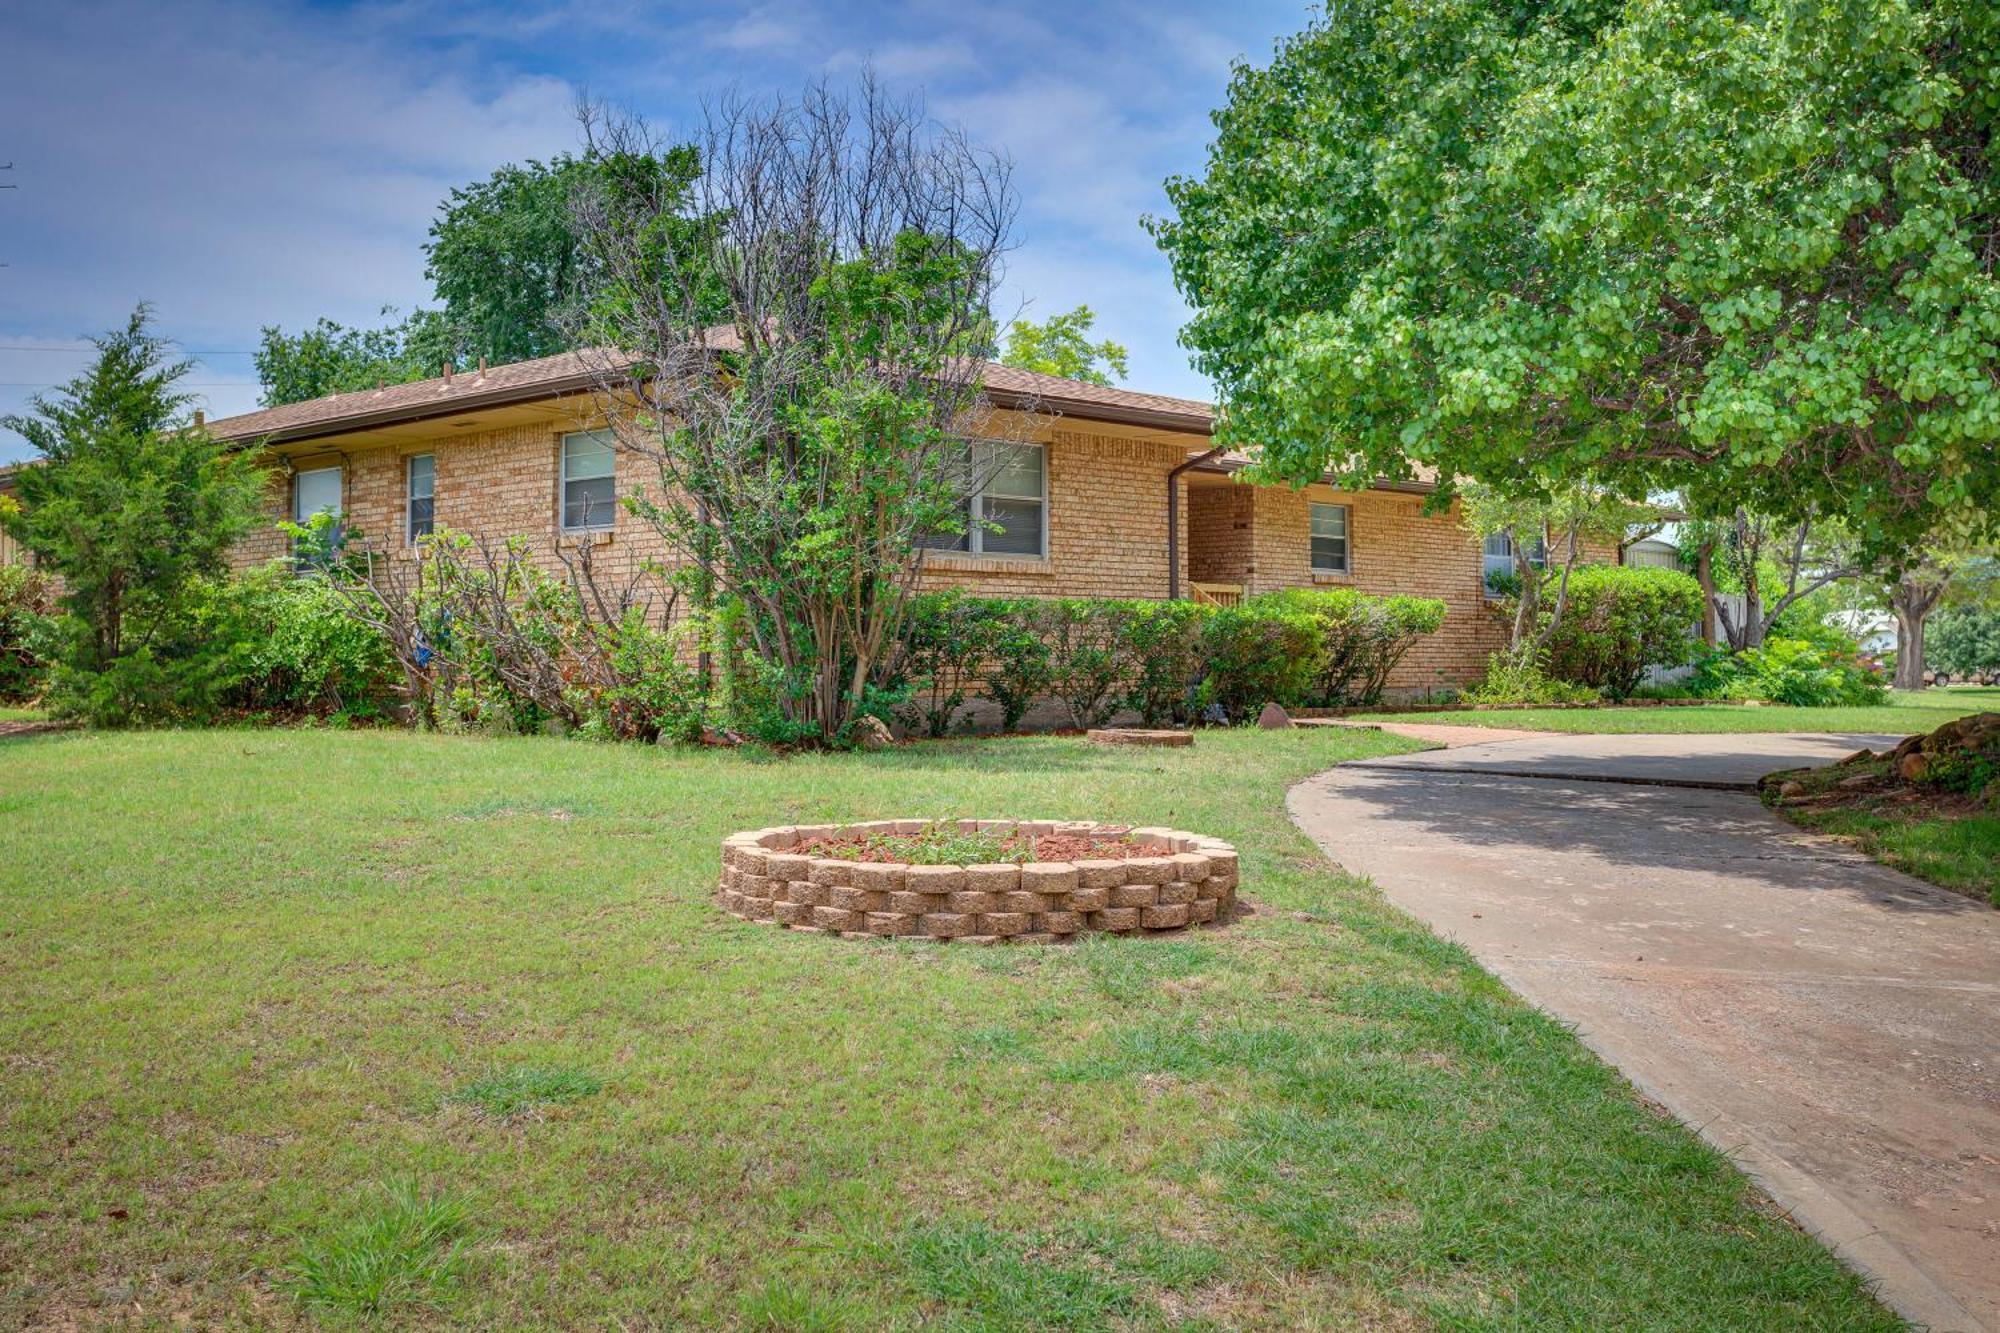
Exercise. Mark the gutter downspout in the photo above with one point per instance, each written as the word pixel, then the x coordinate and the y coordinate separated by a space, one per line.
pixel 1174 519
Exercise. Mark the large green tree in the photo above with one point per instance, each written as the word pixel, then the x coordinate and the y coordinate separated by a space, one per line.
pixel 1744 251
pixel 335 358
pixel 505 260
pixel 130 506
pixel 1061 346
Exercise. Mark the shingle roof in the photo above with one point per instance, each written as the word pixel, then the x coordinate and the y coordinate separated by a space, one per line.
pixel 566 372
pixel 572 372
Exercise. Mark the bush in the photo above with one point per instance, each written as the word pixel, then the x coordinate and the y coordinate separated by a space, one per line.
pixel 1619 621
pixel 1963 641
pixel 27 634
pixel 1362 638
pixel 1089 655
pixel 1164 642
pixel 485 636
pixel 1510 680
pixel 1790 671
pixel 947 638
pixel 1019 670
pixel 291 648
pixel 1256 653
pixel 1310 648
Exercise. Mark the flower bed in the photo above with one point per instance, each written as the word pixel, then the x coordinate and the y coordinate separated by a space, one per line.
pixel 813 877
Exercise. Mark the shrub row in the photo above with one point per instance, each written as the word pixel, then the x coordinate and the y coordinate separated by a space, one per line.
pixel 1165 661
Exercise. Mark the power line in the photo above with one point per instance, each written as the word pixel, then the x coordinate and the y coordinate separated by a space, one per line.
pixel 190 384
pixel 191 351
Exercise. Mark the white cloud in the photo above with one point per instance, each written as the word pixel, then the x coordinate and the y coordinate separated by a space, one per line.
pixel 235 169
pixel 243 163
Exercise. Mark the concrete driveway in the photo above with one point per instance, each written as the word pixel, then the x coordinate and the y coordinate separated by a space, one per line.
pixel 1833 1024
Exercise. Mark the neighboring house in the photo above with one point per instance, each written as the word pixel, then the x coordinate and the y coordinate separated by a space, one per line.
pixel 520 450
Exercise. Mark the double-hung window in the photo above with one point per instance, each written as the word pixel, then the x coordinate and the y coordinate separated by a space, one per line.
pixel 315 491
pixel 1497 558
pixel 1330 553
pixel 1007 505
pixel 421 490
pixel 589 488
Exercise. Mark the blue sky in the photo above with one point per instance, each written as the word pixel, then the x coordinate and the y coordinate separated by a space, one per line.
pixel 242 164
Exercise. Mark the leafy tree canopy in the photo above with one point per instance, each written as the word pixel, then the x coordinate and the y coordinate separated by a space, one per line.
pixel 1061 346
pixel 334 358
pixel 507 264
pixel 130 506
pixel 1744 251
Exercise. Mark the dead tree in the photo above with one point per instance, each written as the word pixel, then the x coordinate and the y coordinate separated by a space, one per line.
pixel 795 337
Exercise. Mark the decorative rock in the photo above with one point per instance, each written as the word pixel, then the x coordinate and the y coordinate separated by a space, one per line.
pixel 1169 916
pixel 1115 918
pixel 972 901
pixel 1178 891
pixel 907 900
pixel 1061 923
pixel 1149 869
pixel 945 925
pixel 1274 718
pixel 1005 923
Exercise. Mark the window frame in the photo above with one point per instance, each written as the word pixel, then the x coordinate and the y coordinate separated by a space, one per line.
pixel 563 480
pixel 1539 559
pixel 410 498
pixel 339 505
pixel 1346 569
pixel 975 533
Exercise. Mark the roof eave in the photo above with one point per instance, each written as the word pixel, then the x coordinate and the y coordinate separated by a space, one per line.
pixel 582 382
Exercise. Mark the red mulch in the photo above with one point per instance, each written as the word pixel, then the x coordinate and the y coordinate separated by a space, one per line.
pixel 895 847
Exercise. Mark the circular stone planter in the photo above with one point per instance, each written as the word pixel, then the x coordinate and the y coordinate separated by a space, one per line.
pixel 1185 880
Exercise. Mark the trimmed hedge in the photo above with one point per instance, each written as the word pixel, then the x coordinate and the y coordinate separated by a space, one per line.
pixel 1166 661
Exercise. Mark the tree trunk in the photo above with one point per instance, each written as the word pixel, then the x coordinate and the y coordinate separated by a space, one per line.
pixel 1753 612
pixel 1704 573
pixel 1909 649
pixel 1912 600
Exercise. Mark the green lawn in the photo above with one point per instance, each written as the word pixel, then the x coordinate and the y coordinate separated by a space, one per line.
pixel 1944 837
pixel 296 1025
pixel 10 713
pixel 1904 713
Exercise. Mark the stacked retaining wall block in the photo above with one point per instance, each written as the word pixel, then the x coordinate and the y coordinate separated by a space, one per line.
pixel 1189 880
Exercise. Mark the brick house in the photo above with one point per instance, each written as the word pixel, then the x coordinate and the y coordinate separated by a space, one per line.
pixel 520 450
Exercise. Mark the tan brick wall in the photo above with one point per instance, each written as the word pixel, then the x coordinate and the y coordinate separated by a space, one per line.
pixel 495 484
pixel 1107 524
pixel 1220 536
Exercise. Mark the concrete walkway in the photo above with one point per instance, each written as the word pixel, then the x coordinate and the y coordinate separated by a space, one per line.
pixel 1833 1024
